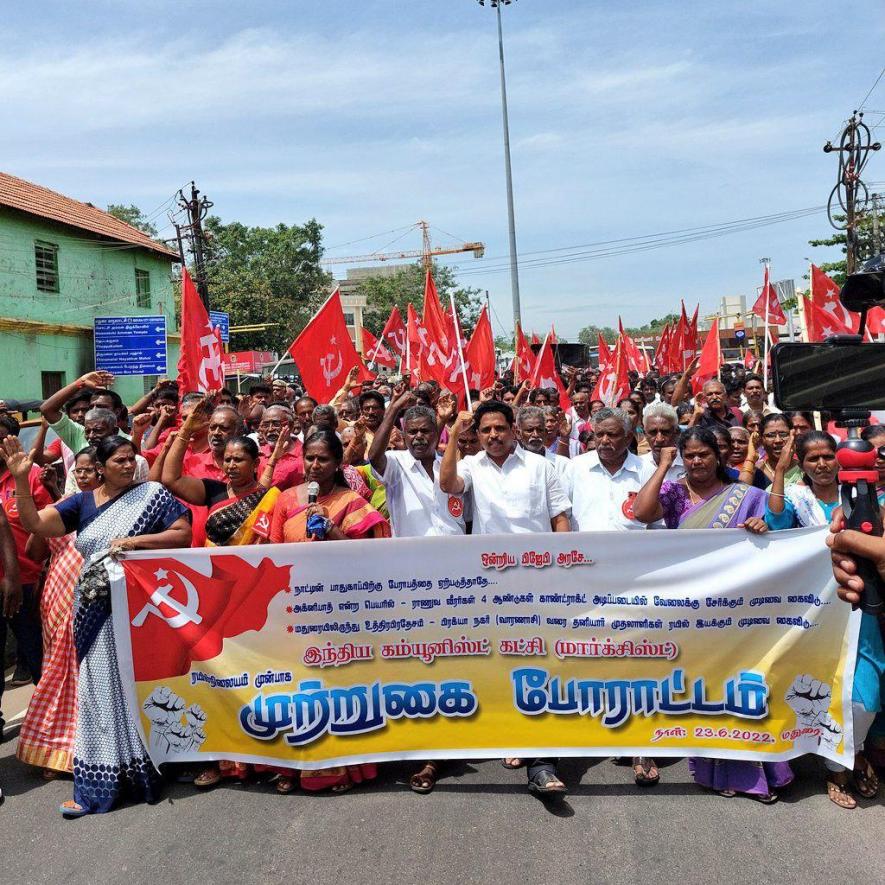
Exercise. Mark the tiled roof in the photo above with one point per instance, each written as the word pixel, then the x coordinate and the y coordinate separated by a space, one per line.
pixel 35 200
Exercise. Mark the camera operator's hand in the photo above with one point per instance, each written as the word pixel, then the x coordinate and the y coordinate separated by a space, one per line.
pixel 845 546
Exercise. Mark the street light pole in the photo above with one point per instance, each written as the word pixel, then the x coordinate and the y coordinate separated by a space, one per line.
pixel 511 218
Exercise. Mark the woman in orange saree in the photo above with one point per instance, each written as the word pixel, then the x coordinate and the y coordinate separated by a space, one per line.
pixel 338 514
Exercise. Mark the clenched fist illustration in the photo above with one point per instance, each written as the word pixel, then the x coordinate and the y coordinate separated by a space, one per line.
pixel 809 698
pixel 175 728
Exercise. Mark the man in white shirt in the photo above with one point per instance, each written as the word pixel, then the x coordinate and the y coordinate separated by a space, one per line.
pixel 531 433
pixel 606 481
pixel 418 507
pixel 512 491
pixel 605 484
pixel 661 425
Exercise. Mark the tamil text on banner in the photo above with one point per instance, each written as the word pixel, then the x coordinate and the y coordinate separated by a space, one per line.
pixel 706 643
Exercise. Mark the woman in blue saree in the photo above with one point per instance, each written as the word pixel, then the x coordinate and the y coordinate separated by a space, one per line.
pixel 110 759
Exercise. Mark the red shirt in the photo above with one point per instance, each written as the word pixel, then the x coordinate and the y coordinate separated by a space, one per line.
pixel 289 470
pixel 202 466
pixel 55 448
pixel 30 570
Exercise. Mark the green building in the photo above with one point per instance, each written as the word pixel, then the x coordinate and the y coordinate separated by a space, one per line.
pixel 62 263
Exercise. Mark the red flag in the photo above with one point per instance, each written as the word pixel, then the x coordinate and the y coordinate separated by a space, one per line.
pixel 824 323
pixel 479 357
pixel 544 373
pixel 636 361
pixel 200 365
pixel 413 351
pixel 394 333
pixel 605 353
pixel 179 615
pixel 677 339
pixel 535 339
pixel 524 359
pixel 693 329
pixel 768 296
pixel 711 359
pixel 749 359
pixel 662 350
pixel 376 352
pixel 613 384
pixel 876 321
pixel 324 352
pixel 436 358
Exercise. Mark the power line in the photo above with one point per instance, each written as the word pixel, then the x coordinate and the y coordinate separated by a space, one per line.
pixel 881 73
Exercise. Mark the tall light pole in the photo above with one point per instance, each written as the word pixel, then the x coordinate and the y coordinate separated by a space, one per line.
pixel 514 269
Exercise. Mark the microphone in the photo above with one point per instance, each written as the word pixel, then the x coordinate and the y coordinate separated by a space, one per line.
pixel 313 492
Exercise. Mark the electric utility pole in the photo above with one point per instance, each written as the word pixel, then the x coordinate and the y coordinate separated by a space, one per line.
pixel 197 209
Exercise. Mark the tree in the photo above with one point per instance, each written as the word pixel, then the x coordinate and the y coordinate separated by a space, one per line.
pixel 383 293
pixel 266 275
pixel 588 335
pixel 132 215
pixel 865 246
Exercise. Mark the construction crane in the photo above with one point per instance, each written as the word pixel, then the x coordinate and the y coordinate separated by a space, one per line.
pixel 427 253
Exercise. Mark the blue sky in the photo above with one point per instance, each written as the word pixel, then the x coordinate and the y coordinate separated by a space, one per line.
pixel 626 120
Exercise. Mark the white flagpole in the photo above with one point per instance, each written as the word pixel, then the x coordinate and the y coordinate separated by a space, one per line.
pixel 765 343
pixel 460 352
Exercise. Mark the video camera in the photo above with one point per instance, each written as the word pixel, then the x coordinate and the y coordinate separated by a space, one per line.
pixel 846 377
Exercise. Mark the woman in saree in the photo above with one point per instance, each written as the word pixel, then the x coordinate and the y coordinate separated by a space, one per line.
pixel 110 759
pixel 338 514
pixel 239 512
pixel 706 498
pixel 47 733
pixel 812 501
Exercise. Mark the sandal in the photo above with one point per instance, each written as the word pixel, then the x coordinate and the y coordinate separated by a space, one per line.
pixel 865 781
pixel 209 777
pixel 765 799
pixel 424 781
pixel 285 785
pixel 513 763
pixel 727 794
pixel 545 783
pixel 50 774
pixel 838 792
pixel 643 767
pixel 342 788
pixel 72 809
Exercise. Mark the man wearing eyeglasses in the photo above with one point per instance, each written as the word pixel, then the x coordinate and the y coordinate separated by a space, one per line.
pixel 289 470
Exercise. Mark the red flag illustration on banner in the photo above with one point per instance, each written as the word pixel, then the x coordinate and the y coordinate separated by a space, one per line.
pixel 768 296
pixel 200 366
pixel 178 615
pixel 375 350
pixel 605 353
pixel 711 359
pixel 394 333
pixel 480 354
pixel 613 384
pixel 524 359
pixel 324 352
pixel 544 373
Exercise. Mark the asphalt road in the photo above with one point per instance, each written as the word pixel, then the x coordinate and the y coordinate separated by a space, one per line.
pixel 479 825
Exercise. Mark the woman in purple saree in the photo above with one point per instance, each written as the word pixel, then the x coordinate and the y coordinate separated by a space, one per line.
pixel 706 498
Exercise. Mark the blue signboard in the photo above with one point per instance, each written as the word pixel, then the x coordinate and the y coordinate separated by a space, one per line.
pixel 130 345
pixel 222 320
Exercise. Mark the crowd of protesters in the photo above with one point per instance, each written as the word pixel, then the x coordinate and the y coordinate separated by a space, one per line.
pixel 385 460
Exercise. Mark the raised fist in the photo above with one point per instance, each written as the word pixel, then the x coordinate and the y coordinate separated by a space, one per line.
pixel 809 699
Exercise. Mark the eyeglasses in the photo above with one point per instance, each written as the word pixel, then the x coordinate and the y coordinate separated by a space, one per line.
pixel 777 434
